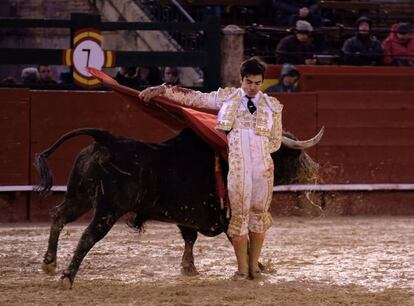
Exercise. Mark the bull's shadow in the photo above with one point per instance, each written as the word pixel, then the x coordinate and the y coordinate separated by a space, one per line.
pixel 171 182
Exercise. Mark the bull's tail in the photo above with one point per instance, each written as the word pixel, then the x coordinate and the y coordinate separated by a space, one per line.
pixel 46 177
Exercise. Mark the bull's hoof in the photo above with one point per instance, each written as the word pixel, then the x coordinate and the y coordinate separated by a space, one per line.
pixel 65 283
pixel 49 268
pixel 189 270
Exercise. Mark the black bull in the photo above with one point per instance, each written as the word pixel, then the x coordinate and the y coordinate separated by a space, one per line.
pixel 172 182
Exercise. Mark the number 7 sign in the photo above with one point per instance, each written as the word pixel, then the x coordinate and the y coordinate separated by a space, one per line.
pixel 87 52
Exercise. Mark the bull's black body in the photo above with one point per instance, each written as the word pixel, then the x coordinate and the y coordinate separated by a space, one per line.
pixel 172 182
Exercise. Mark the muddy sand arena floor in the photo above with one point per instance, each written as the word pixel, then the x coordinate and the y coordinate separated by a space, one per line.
pixel 321 261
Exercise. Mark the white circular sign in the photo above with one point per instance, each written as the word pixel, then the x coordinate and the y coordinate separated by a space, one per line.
pixel 88 54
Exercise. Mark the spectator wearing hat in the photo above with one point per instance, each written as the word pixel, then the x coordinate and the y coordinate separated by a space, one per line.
pixel 294 10
pixel 399 46
pixel 363 49
pixel 289 76
pixel 297 48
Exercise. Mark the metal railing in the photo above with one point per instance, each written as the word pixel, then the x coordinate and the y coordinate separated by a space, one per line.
pixel 206 56
pixel 172 13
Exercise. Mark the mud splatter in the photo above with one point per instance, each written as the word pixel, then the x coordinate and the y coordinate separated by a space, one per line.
pixel 326 261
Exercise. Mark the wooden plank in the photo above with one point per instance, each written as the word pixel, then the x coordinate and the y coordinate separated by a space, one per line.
pixel 361 100
pixel 273 70
pixel 339 81
pixel 366 118
pixel 367 173
pixel 369 203
pixel 13 207
pixel 14 143
pixel 299 113
pixel 17 108
pixel 376 136
pixel 368 164
pixel 401 155
pixel 106 110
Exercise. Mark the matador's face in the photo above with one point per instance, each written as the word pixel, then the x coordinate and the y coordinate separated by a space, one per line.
pixel 251 84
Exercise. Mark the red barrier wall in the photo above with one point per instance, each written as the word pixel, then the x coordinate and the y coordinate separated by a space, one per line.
pixel 369 136
pixel 341 82
pixel 368 139
pixel 300 114
pixel 316 78
pixel 55 113
pixel 273 71
pixel 14 131
pixel 14 148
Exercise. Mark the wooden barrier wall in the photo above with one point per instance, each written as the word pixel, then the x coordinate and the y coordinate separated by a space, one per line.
pixel 340 78
pixel 15 136
pixel 369 136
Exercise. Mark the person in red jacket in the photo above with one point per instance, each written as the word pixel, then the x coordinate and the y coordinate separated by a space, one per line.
pixel 399 46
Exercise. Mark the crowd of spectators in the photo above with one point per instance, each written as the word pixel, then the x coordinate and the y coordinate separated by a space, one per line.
pixel 40 75
pixel 301 46
pixel 135 77
pixel 362 49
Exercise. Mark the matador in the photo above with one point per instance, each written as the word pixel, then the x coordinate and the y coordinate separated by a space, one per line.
pixel 252 121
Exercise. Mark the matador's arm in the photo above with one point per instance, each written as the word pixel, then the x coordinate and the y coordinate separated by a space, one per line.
pixel 275 140
pixel 188 97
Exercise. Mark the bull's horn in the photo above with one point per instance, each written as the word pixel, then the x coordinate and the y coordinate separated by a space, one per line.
pixel 302 144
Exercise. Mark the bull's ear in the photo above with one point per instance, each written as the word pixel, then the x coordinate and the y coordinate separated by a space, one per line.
pixel 303 144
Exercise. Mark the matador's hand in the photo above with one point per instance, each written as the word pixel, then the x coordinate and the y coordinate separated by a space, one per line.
pixel 151 92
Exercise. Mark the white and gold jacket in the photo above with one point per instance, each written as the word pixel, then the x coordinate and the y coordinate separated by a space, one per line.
pixel 268 115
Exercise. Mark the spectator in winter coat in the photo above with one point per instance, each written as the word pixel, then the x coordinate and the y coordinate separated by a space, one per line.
pixel 399 46
pixel 289 76
pixel 298 48
pixel 363 49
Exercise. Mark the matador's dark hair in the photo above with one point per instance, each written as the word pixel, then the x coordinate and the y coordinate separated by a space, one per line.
pixel 252 66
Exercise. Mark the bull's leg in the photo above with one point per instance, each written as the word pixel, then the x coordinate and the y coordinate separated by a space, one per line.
pixel 187 263
pixel 96 230
pixel 70 210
